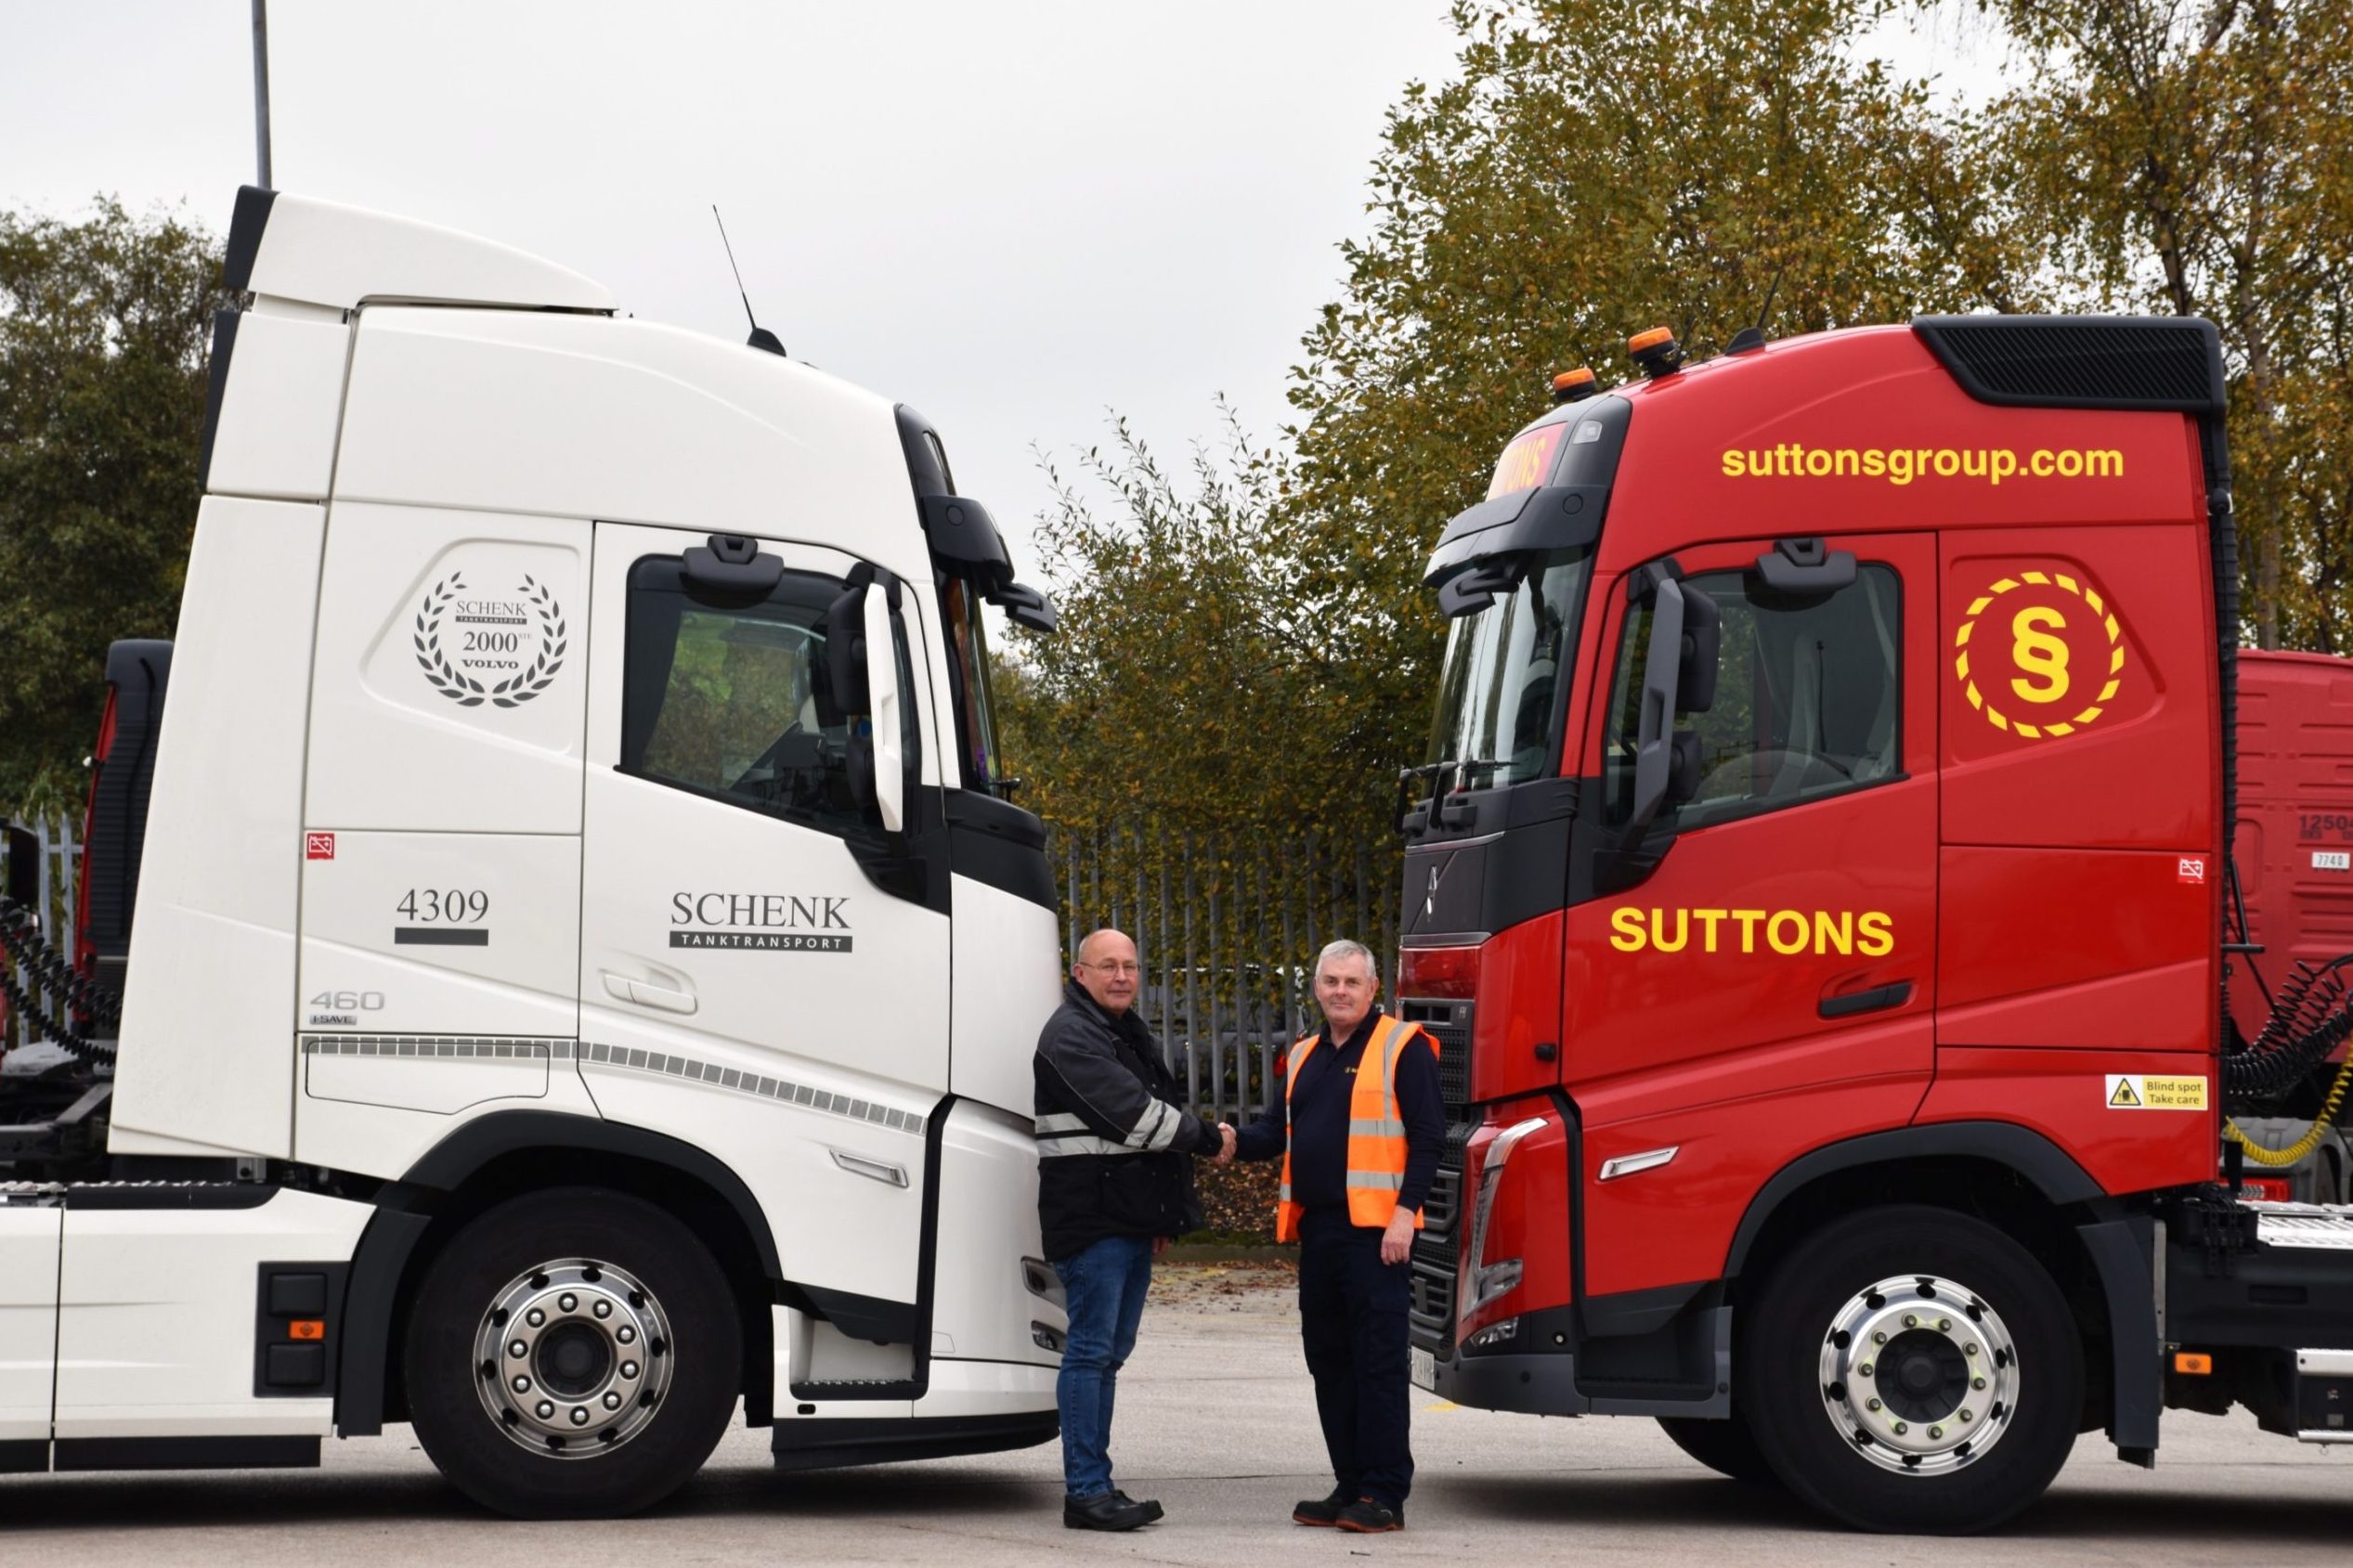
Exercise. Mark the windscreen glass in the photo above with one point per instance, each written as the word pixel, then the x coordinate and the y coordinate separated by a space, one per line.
pixel 1506 677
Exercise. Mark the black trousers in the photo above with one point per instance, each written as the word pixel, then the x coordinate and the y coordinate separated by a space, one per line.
pixel 1352 1323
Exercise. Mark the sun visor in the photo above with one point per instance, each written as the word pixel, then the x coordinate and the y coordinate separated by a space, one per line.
pixel 1563 511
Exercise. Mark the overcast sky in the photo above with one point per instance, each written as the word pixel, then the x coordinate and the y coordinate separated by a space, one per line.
pixel 1013 215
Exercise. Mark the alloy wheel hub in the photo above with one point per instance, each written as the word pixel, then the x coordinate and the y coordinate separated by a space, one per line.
pixel 573 1358
pixel 1918 1374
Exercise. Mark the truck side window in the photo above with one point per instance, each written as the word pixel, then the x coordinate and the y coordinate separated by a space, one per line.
pixel 730 699
pixel 1808 698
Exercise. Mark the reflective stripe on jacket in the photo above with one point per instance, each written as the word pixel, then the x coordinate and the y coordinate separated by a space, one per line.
pixel 1376 1130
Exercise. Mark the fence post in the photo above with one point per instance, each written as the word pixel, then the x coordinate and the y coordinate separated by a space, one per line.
pixel 1192 984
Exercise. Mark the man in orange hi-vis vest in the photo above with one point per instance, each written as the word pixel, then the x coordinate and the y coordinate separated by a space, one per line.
pixel 1360 1126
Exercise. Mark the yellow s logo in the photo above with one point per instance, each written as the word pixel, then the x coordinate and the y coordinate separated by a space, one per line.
pixel 2036 652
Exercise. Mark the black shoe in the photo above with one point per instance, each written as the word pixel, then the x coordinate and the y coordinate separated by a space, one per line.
pixel 1152 1511
pixel 1323 1513
pixel 1365 1517
pixel 1107 1510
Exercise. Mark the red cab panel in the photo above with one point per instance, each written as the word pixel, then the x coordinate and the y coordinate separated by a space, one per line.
pixel 2080 949
pixel 2135 1120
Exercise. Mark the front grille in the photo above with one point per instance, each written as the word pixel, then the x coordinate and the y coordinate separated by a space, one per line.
pixel 1449 1025
pixel 1437 1249
pixel 1438 1246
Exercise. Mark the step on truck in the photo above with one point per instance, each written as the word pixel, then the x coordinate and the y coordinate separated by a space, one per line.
pixel 559 961
pixel 1820 888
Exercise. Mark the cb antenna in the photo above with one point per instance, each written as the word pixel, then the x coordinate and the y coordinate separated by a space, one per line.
pixel 761 338
pixel 1750 339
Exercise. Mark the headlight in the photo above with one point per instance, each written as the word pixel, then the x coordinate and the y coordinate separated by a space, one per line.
pixel 1496 1333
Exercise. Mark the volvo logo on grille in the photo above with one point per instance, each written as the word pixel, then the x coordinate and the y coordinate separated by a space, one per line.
pixel 1430 900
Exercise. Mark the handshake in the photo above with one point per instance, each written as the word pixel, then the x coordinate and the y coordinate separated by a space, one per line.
pixel 1225 1154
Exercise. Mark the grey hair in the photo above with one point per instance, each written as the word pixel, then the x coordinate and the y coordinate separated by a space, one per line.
pixel 1345 947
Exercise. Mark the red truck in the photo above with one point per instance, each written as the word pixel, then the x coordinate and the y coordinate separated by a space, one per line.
pixel 1820 892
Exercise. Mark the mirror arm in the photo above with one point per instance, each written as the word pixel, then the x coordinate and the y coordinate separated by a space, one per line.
pixel 1655 733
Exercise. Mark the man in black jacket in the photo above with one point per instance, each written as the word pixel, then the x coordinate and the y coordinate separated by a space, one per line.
pixel 1114 1185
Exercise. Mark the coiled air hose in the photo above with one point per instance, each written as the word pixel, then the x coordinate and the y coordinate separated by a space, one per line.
pixel 23 945
pixel 2311 1015
pixel 2275 1158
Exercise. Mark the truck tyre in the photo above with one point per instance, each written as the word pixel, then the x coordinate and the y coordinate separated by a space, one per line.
pixel 1727 1447
pixel 1911 1369
pixel 573 1354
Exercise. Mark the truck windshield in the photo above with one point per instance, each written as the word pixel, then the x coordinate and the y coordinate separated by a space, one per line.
pixel 1506 680
pixel 968 666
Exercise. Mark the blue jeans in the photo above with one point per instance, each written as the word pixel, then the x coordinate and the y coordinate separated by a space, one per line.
pixel 1103 1286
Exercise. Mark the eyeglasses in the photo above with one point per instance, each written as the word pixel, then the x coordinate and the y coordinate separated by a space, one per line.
pixel 1116 966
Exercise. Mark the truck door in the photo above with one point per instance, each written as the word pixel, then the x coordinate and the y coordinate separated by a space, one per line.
pixel 1770 939
pixel 749 984
pixel 29 1232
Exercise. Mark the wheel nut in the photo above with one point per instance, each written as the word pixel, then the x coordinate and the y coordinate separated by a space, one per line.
pixel 544 1409
pixel 579 1415
pixel 568 1301
pixel 1865 1368
pixel 1944 1325
pixel 535 1317
pixel 1977 1382
pixel 522 1385
pixel 625 1334
pixel 628 1368
pixel 613 1402
pixel 1936 1431
pixel 603 1309
pixel 1878 1338
pixel 1966 1416
pixel 1872 1403
pixel 1900 1429
pixel 1969 1350
pixel 1910 1321
pixel 516 1347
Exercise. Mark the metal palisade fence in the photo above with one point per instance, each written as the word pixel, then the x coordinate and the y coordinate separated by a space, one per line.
pixel 53 879
pixel 1226 928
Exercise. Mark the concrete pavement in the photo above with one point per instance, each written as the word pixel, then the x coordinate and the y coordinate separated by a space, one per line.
pixel 1216 1419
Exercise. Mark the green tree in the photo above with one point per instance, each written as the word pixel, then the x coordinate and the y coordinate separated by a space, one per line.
pixel 2193 157
pixel 1596 169
pixel 103 328
pixel 1194 676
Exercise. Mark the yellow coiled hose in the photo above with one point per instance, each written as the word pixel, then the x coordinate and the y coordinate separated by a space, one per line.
pixel 2275 1158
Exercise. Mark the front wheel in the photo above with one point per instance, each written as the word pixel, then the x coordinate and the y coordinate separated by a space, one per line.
pixel 1910 1369
pixel 1727 1447
pixel 573 1354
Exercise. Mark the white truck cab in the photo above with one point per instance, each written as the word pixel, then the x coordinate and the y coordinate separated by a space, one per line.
pixel 582 967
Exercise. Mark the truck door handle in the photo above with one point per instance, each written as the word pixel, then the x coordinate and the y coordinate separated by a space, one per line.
pixel 647 994
pixel 1877 999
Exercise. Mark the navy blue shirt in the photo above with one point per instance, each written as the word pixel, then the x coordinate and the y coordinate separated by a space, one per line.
pixel 1319 1130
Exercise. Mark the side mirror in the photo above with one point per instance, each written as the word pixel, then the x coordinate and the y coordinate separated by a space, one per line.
pixel 1805 568
pixel 846 646
pixel 1467 593
pixel 1702 652
pixel 1025 606
pixel 730 566
pixel 1683 767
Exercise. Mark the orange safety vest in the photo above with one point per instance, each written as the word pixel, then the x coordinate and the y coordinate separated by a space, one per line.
pixel 1376 1130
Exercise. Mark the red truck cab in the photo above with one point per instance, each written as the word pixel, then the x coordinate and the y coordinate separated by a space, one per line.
pixel 1817 882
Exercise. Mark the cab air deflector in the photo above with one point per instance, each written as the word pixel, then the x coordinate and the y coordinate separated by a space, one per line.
pixel 2157 363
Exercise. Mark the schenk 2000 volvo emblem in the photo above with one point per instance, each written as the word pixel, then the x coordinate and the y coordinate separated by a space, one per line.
pixel 504 651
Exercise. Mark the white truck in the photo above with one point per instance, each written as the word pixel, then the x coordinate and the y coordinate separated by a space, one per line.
pixel 577 964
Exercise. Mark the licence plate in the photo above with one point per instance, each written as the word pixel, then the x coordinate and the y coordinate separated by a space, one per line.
pixel 1425 1369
